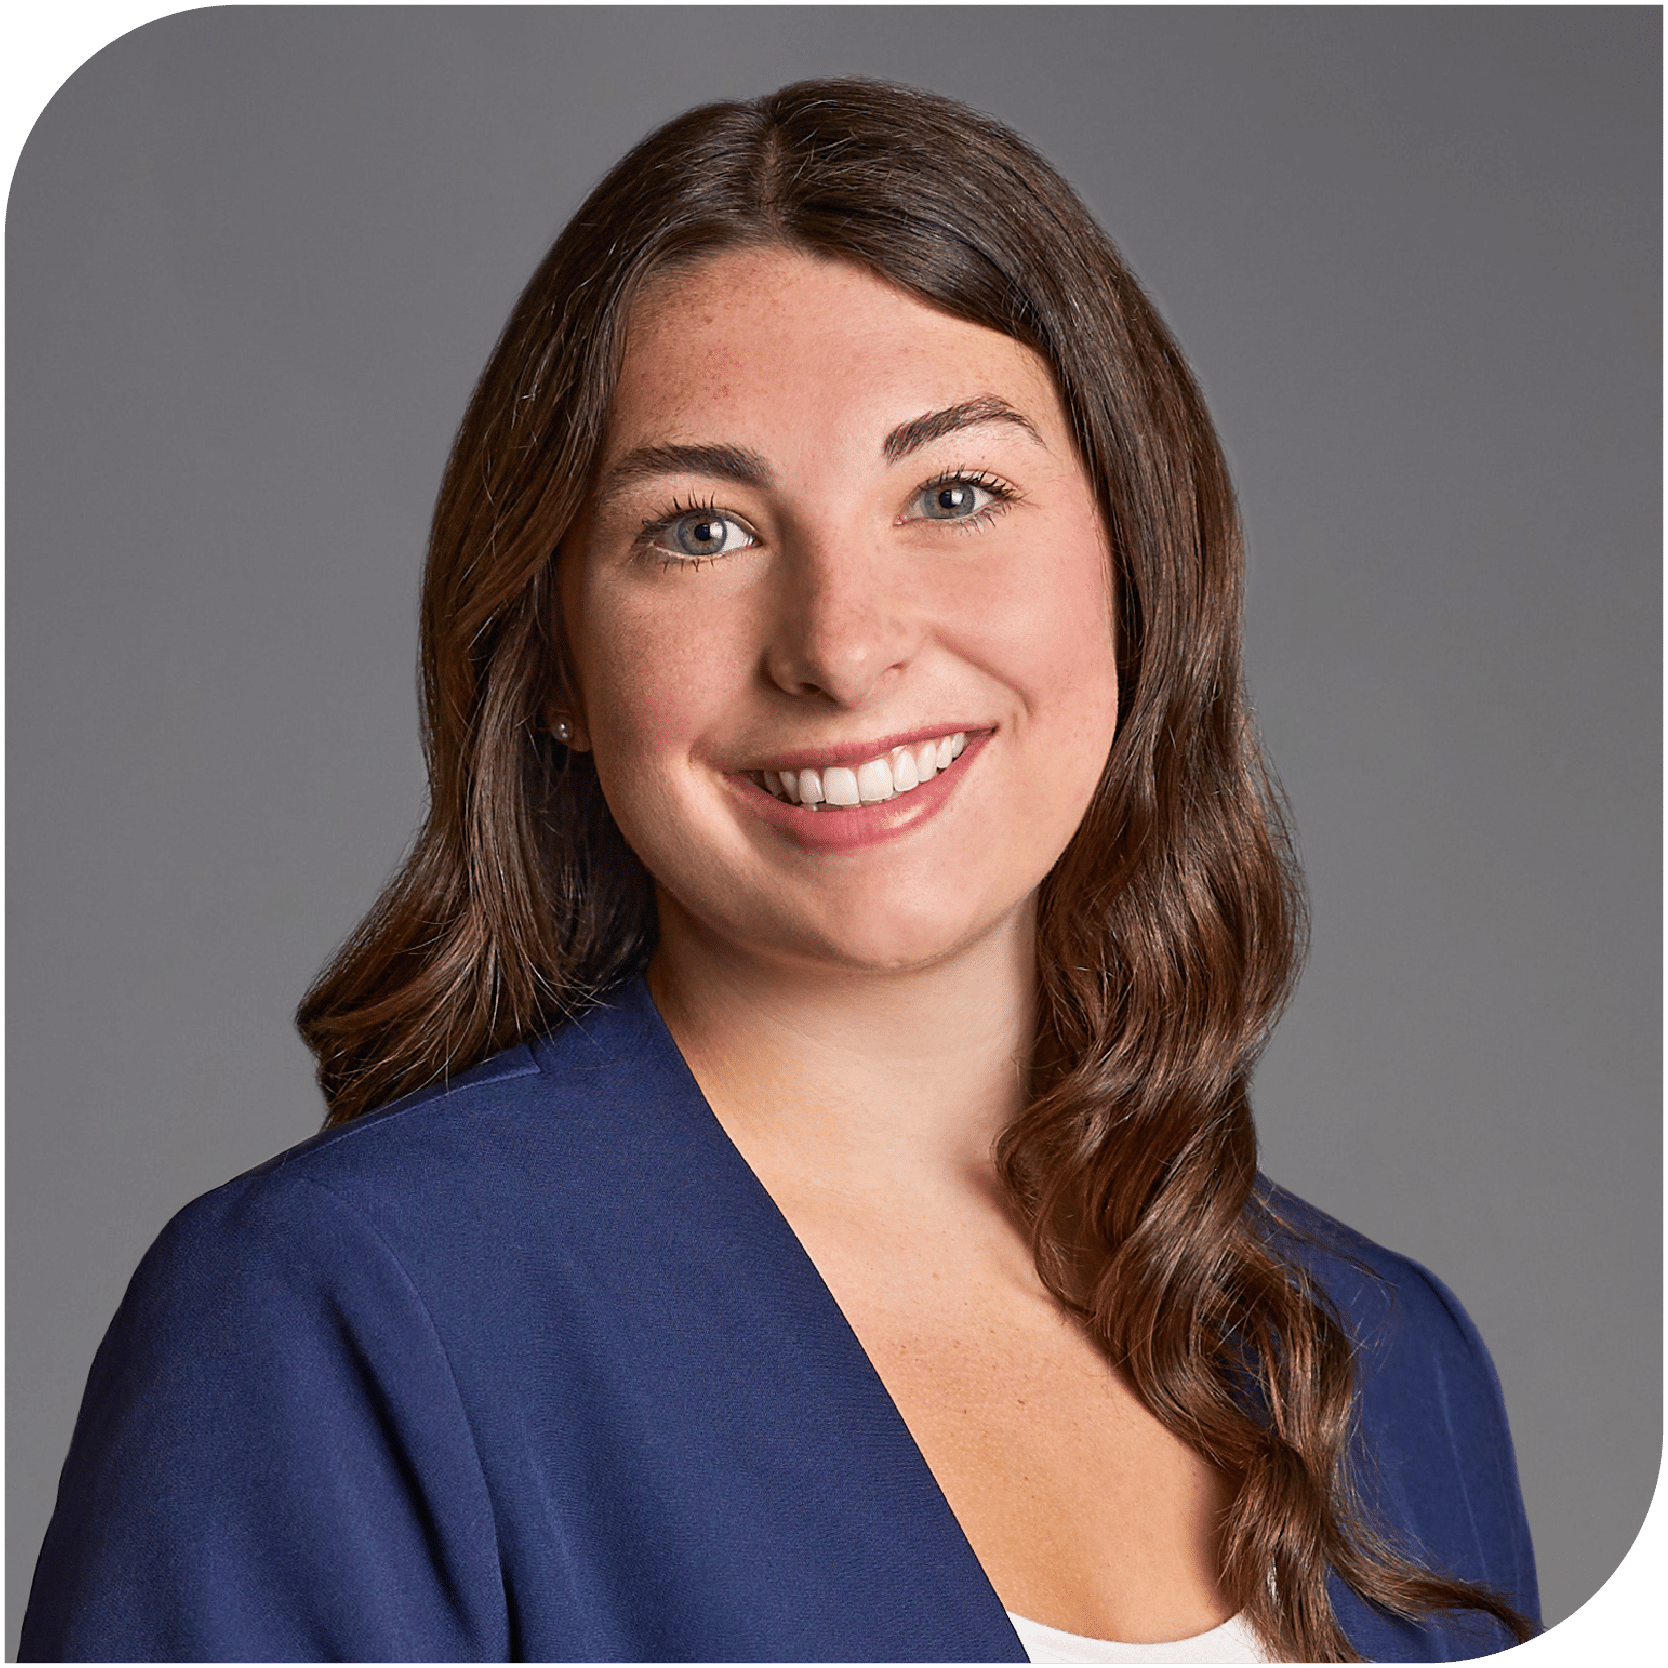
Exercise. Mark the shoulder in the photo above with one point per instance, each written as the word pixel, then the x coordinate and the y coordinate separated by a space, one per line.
pixel 555 1088
pixel 1389 1301
pixel 546 1118
pixel 284 1359
pixel 561 1176
pixel 528 1178
pixel 331 1337
pixel 1422 1364
pixel 1433 1456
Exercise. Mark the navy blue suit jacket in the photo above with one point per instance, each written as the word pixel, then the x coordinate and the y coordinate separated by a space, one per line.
pixel 531 1367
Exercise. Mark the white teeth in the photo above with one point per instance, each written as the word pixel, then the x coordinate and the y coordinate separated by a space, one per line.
pixel 874 781
pixel 839 786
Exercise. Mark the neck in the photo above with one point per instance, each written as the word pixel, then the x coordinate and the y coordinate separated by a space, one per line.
pixel 855 1080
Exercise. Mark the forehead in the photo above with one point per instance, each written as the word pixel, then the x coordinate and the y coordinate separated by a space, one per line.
pixel 807 340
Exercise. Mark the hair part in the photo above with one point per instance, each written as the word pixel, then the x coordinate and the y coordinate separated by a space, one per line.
pixel 1169 932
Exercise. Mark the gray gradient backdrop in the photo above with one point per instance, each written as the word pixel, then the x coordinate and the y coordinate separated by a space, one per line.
pixel 257 258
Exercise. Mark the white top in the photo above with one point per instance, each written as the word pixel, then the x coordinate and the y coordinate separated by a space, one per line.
pixel 1233 1641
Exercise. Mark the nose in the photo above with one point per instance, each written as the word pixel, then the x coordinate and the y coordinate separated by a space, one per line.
pixel 844 621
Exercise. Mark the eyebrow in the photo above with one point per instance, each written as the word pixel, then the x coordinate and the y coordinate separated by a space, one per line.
pixel 724 463
pixel 934 425
pixel 745 468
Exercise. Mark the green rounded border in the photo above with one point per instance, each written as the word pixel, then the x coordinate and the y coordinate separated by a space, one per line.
pixel 42 44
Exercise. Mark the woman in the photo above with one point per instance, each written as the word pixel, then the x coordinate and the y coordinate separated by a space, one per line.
pixel 789 1189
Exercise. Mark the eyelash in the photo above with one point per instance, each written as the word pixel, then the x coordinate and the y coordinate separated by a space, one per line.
pixel 675 512
pixel 1003 496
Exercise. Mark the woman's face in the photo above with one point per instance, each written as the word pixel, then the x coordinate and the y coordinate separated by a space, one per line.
pixel 837 537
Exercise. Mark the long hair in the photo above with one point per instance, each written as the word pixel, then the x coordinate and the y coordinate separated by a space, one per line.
pixel 1170 930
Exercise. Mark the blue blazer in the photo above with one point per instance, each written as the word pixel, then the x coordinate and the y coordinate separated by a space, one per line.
pixel 530 1367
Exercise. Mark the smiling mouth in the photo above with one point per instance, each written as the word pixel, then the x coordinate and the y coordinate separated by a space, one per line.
pixel 840 788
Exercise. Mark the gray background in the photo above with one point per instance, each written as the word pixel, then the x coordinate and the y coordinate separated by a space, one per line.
pixel 257 258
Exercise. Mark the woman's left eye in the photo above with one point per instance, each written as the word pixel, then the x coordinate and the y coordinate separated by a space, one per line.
pixel 958 499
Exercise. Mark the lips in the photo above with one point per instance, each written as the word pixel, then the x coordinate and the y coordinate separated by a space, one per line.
pixel 868 822
pixel 889 775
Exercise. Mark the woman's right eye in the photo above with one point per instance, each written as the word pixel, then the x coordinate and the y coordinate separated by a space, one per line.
pixel 698 534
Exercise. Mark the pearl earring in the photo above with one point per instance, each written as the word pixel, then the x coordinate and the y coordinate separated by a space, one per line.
pixel 562 730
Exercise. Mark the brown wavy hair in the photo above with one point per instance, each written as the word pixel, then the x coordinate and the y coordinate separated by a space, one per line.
pixel 1170 930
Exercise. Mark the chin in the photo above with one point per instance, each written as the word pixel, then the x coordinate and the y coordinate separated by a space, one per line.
pixel 886 941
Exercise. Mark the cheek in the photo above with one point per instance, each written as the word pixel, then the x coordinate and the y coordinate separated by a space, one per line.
pixel 1057 639
pixel 641 708
pixel 652 678
pixel 1051 626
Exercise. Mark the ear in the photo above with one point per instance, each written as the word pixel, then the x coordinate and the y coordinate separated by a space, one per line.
pixel 567 726
pixel 564 708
